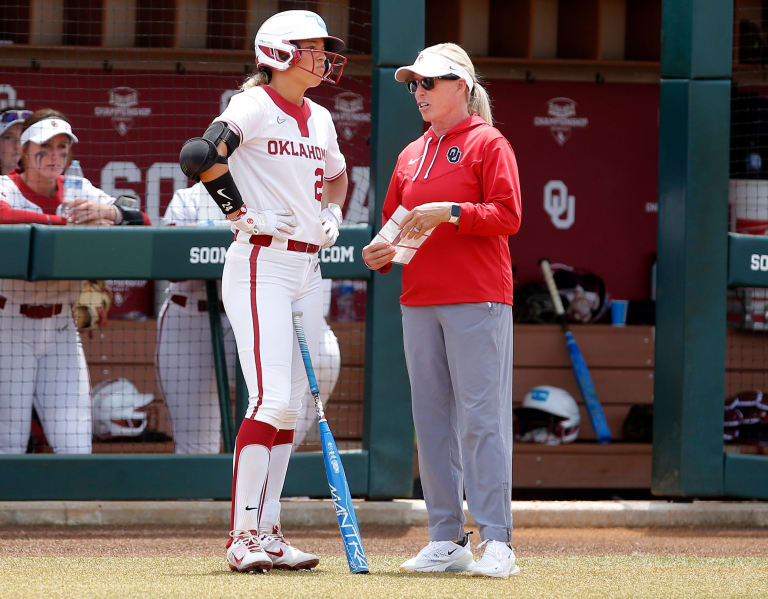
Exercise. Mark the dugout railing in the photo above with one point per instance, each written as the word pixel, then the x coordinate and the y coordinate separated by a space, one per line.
pixel 36 253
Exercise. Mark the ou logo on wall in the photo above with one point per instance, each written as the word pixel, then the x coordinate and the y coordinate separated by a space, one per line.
pixel 8 97
pixel 560 206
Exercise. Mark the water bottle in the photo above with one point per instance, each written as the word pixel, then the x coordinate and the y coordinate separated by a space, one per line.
pixel 345 303
pixel 73 181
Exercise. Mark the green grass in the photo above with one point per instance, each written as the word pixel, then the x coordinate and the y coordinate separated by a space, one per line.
pixel 571 577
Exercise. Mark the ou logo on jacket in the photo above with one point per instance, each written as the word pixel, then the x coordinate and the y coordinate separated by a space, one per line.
pixel 454 154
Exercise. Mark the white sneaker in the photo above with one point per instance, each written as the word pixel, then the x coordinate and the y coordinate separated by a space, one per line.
pixel 498 561
pixel 245 554
pixel 441 556
pixel 283 555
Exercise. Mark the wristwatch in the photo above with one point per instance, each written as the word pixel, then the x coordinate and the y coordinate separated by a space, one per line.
pixel 455 214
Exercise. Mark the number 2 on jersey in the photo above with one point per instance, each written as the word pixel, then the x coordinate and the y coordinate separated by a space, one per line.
pixel 319 184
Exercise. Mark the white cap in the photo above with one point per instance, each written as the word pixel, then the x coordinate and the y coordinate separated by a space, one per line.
pixel 430 64
pixel 44 130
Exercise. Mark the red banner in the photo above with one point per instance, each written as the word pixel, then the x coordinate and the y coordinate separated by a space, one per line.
pixel 587 155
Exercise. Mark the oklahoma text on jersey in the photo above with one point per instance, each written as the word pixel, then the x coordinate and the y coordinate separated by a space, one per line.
pixel 282 148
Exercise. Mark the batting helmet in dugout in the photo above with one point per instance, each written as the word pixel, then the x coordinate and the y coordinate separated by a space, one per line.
pixel 117 409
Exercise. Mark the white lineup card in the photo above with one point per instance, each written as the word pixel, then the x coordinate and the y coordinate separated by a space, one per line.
pixel 392 234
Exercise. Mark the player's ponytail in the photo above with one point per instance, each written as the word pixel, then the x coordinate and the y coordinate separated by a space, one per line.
pixel 261 77
pixel 478 101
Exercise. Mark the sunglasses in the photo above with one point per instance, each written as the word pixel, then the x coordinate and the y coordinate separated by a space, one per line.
pixel 428 83
pixel 14 115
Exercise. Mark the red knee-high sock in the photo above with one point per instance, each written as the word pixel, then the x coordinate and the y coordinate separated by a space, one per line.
pixel 278 465
pixel 251 468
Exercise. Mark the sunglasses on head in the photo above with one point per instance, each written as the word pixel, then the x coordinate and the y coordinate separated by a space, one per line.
pixel 14 115
pixel 428 83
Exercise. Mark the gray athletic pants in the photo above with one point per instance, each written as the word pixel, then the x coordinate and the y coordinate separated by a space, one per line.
pixel 459 360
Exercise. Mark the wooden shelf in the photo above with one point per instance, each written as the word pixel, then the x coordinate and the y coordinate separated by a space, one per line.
pixel 562 30
pixel 582 466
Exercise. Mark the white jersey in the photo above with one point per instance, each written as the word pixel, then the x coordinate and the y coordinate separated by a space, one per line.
pixel 193 206
pixel 286 153
pixel 42 292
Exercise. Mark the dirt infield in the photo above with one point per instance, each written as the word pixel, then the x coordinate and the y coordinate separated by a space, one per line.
pixel 159 541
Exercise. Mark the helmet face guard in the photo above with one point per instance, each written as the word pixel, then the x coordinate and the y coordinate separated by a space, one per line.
pixel 535 426
pixel 283 55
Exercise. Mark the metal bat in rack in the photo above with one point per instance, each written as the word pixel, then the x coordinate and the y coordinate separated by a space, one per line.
pixel 334 469
pixel 578 364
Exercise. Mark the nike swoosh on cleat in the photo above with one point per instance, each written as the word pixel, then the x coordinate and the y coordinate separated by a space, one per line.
pixel 276 554
pixel 450 552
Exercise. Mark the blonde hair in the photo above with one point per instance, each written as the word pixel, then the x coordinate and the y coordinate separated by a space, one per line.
pixel 478 101
pixel 261 77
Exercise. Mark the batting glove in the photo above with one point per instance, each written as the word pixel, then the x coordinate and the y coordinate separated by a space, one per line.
pixel 280 224
pixel 330 218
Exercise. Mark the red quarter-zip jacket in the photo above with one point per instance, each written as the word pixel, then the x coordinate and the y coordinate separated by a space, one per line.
pixel 472 165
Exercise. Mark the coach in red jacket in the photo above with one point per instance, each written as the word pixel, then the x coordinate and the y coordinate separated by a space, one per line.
pixel 459 178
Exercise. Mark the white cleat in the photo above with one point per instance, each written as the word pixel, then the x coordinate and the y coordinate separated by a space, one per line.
pixel 441 556
pixel 285 556
pixel 245 554
pixel 498 561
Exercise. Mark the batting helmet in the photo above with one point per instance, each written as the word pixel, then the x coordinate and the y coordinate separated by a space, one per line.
pixel 548 415
pixel 117 409
pixel 277 49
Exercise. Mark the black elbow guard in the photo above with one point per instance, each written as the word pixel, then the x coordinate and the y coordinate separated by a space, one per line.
pixel 225 193
pixel 201 153
pixel 197 156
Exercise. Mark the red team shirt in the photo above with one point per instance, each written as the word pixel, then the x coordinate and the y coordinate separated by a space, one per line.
pixel 472 165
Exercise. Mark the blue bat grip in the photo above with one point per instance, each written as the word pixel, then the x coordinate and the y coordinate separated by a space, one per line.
pixel 313 386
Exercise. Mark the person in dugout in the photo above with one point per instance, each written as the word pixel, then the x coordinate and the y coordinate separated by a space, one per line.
pixel 42 363
pixel 11 121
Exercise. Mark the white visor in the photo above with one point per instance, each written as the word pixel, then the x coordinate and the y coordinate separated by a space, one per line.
pixel 44 130
pixel 429 64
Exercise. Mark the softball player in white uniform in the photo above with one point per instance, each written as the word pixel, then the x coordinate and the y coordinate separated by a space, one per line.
pixel 186 376
pixel 272 163
pixel 42 363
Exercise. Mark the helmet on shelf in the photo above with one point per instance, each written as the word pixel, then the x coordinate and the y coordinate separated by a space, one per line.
pixel 549 415
pixel 117 409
